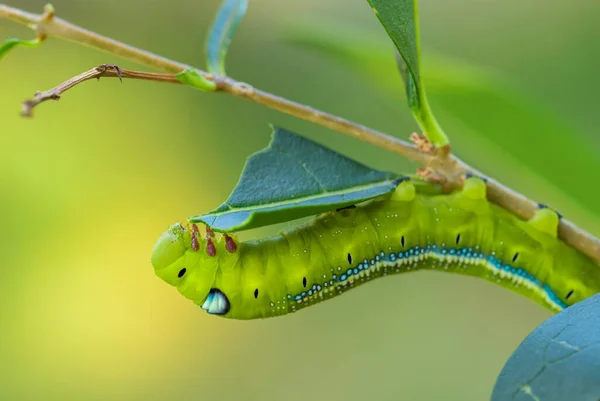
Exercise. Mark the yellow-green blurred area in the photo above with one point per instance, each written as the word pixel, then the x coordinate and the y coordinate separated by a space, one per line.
pixel 88 185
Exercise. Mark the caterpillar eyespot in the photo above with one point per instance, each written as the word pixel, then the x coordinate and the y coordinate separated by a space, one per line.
pixel 460 232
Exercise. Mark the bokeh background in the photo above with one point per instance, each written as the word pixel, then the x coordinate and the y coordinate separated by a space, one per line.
pixel 88 185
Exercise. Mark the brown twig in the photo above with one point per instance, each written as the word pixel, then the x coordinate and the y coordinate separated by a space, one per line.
pixel 104 70
pixel 439 161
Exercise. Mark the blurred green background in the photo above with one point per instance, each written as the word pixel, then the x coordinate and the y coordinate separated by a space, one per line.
pixel 89 184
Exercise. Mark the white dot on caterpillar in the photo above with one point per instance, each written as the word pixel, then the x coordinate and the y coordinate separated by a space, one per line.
pixel 272 304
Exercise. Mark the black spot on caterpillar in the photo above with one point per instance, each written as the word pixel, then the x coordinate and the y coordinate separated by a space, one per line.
pixel 401 232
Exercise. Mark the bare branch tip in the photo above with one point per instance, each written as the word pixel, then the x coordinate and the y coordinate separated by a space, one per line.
pixel 27 109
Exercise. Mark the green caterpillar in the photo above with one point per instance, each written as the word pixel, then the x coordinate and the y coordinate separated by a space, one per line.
pixel 403 231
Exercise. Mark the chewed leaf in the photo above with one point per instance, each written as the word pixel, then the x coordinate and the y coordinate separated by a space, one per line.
pixel 295 177
pixel 10 43
pixel 228 18
pixel 400 20
pixel 192 77
pixel 560 360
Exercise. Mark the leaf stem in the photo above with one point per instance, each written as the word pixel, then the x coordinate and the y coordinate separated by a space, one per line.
pixel 428 122
pixel 439 161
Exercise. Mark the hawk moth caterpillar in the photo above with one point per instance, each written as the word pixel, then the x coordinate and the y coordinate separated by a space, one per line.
pixel 460 232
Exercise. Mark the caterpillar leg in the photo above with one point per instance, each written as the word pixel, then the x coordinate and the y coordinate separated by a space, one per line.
pixel 469 175
pixel 546 220
pixel 195 235
pixel 230 244
pixel 542 206
pixel 405 191
pixel 474 188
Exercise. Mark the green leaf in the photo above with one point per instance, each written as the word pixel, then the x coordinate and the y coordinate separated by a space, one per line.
pixel 490 117
pixel 295 177
pixel 558 361
pixel 193 78
pixel 228 18
pixel 400 20
pixel 10 43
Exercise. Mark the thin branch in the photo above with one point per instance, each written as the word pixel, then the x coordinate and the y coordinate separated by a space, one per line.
pixel 51 26
pixel 104 70
pixel 322 118
pixel 440 161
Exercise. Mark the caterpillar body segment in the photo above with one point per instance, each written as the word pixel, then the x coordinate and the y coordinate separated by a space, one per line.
pixel 404 231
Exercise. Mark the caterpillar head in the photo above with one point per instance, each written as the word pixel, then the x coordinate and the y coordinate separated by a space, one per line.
pixel 186 261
